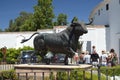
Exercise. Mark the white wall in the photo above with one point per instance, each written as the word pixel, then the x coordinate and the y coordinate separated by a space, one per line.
pixel 13 39
pixel 101 16
pixel 7 39
pixel 21 36
pixel 97 37
pixel 114 17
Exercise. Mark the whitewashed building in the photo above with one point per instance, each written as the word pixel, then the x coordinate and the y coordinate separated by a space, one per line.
pixel 108 13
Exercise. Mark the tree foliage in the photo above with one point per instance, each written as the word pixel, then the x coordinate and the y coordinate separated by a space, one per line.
pixel 43 14
pixel 28 25
pixel 14 25
pixel 61 20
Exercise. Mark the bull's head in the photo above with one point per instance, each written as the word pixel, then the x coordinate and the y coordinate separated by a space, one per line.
pixel 80 27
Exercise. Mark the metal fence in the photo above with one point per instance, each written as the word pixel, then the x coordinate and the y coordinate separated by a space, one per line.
pixel 66 75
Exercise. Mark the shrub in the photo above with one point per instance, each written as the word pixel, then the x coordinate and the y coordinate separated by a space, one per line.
pixel 78 75
pixel 10 74
pixel 61 75
pixel 13 53
pixel 110 71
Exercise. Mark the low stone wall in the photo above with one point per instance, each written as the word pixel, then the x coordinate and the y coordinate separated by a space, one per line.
pixel 40 68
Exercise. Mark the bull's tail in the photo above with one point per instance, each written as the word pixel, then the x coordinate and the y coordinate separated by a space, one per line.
pixel 24 40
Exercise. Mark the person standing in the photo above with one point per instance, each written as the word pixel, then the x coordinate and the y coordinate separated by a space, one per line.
pixel 94 57
pixel 103 58
pixel 81 61
pixel 76 57
pixel 86 58
pixel 93 49
pixel 114 57
pixel 109 60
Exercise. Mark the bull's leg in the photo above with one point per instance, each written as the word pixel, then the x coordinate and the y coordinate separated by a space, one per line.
pixel 42 55
pixel 72 50
pixel 66 60
pixel 34 53
pixel 39 45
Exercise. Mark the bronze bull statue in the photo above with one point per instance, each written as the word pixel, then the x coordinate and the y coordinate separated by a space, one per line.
pixel 64 42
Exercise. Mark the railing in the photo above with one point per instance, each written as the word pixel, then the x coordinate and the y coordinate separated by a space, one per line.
pixel 67 75
pixel 62 75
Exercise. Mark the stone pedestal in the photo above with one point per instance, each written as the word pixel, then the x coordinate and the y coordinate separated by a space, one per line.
pixel 40 72
pixel 38 68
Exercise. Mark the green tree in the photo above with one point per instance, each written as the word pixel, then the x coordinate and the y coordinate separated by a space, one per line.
pixel 28 25
pixel 11 26
pixel 18 22
pixel 1 30
pixel 62 19
pixel 43 14
pixel 22 19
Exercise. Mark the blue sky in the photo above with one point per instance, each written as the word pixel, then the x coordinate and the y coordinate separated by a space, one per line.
pixel 10 9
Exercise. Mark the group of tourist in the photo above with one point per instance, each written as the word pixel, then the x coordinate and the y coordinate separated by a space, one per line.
pixel 105 59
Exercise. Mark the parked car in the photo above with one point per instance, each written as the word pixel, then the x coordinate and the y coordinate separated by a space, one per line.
pixel 26 57
pixel 54 58
pixel 60 58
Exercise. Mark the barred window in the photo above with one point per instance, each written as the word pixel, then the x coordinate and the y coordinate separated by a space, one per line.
pixel 98 12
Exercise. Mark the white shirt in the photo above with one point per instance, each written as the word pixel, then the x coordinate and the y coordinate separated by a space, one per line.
pixel 86 58
pixel 103 57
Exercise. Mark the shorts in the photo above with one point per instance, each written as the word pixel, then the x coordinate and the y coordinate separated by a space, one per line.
pixel 95 63
pixel 104 63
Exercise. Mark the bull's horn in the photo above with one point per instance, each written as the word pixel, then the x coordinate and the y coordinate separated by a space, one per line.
pixel 90 21
pixel 75 19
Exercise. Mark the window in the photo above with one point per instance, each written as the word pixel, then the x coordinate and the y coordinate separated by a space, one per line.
pixel 107 7
pixel 119 1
